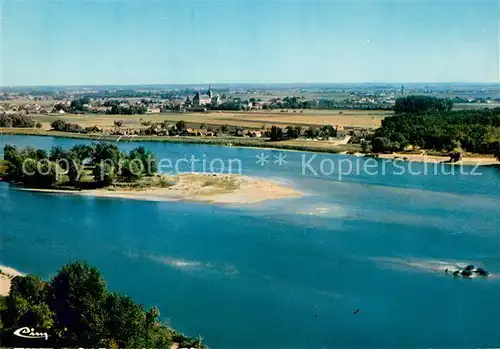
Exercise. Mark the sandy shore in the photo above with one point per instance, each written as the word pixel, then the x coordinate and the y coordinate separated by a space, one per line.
pixel 466 160
pixel 210 188
pixel 6 275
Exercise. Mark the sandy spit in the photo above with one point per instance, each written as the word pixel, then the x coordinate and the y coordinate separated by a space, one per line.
pixel 209 188
pixel 480 161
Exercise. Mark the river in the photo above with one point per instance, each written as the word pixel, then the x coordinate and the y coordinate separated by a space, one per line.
pixel 285 273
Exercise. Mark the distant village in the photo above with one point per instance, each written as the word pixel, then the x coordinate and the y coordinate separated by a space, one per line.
pixel 151 102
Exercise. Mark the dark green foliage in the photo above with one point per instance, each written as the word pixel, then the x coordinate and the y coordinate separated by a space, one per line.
pixel 57 153
pixel 147 159
pixel 31 288
pixel 365 146
pixel 106 152
pixel 76 309
pixel 422 104
pixel 328 131
pixel 312 132
pixel 18 121
pixel 74 170
pixel 117 109
pixel 82 151
pixel 31 167
pixel 476 130
pixel 293 132
pixel 126 319
pixel 132 169
pixel 276 133
pixel 180 125
pixel 78 297
pixel 104 174
pixel 37 168
pixel 497 151
pixel 381 144
pixel 63 126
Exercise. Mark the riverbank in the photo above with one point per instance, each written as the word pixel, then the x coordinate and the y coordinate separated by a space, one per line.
pixel 197 187
pixel 466 160
pixel 6 276
pixel 332 147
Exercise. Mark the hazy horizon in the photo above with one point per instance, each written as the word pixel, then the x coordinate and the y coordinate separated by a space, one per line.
pixel 269 85
pixel 107 42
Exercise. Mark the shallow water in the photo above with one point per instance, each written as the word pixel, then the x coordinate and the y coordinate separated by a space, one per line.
pixel 285 273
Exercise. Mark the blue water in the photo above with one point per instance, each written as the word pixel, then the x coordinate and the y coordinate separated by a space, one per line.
pixel 285 273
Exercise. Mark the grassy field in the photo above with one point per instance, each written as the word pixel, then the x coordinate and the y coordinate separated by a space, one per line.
pixel 253 119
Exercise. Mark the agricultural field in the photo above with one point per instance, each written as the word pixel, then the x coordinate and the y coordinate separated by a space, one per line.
pixel 253 119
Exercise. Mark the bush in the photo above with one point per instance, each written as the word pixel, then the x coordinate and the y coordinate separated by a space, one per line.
pixel 104 174
pixel 17 121
pixel 381 144
pixel 76 309
pixel 60 125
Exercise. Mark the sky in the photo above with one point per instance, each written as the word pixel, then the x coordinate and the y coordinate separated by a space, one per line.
pixel 111 42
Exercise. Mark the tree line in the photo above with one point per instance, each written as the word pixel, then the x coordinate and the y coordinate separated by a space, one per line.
pixel 18 121
pixel 299 103
pixel 422 104
pixel 293 132
pixel 76 309
pixel 429 123
pixel 83 166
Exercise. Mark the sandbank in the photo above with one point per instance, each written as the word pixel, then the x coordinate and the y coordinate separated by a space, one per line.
pixel 198 187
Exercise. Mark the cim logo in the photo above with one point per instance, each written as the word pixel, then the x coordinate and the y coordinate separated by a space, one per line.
pixel 26 332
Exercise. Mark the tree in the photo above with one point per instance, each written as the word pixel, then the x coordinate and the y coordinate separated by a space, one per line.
pixel 58 125
pixel 79 296
pixel 293 132
pixel 74 170
pixel 365 146
pixel 125 322
pixel 132 169
pixel 82 151
pixel 104 174
pixel 312 132
pixel 381 144
pixel 57 153
pixel 276 133
pixel 422 104
pixel 106 152
pixel 180 125
pixel 497 151
pixel 77 309
pixel 30 287
pixel 147 158
pixel 42 174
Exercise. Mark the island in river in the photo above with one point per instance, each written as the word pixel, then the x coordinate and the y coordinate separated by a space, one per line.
pixel 103 170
